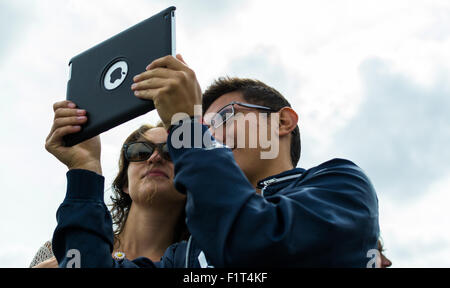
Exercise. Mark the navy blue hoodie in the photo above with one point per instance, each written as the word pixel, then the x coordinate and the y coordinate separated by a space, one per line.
pixel 326 216
pixel 85 224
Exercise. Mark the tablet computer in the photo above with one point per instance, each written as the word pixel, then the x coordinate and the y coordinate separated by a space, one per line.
pixel 100 78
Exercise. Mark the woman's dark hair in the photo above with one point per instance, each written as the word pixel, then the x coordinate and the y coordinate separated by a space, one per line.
pixel 121 201
pixel 255 92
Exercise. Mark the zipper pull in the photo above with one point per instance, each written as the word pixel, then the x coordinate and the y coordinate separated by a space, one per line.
pixel 270 181
pixel 267 183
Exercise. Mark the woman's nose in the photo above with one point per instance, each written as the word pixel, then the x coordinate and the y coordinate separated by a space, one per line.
pixel 155 157
pixel 385 262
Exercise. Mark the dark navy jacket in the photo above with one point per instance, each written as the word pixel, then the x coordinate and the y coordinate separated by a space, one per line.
pixel 85 224
pixel 326 216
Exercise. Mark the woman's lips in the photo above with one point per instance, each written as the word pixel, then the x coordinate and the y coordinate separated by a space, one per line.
pixel 156 173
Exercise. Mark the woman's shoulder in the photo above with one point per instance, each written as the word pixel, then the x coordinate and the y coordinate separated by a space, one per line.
pixel 44 253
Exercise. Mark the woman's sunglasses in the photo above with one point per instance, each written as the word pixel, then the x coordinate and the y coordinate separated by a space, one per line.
pixel 141 151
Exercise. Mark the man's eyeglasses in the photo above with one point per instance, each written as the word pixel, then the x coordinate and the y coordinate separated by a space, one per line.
pixel 228 111
pixel 141 151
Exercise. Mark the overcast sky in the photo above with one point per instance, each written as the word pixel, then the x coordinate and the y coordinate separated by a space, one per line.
pixel 369 79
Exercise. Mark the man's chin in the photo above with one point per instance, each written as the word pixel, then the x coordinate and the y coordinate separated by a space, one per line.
pixel 236 151
pixel 240 156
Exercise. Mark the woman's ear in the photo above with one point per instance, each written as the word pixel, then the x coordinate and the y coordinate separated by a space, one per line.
pixel 125 189
pixel 288 121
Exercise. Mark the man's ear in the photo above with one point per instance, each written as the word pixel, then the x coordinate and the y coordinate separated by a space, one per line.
pixel 288 121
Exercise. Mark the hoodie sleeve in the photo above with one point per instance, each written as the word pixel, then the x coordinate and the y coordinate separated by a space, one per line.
pixel 314 225
pixel 85 230
pixel 84 227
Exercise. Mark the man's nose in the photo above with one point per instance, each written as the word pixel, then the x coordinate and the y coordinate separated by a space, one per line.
pixel 212 130
pixel 219 136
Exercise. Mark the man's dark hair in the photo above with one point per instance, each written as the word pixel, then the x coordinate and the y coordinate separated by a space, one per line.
pixel 254 92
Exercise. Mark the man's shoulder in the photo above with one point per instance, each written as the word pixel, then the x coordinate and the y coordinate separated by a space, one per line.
pixel 337 166
pixel 337 181
pixel 337 163
pixel 339 175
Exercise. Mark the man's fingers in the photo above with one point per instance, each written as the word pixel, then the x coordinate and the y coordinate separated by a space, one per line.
pixel 148 94
pixel 168 62
pixel 63 104
pixel 179 57
pixel 155 73
pixel 151 83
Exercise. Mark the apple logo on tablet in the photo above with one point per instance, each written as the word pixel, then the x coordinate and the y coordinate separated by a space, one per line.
pixel 115 75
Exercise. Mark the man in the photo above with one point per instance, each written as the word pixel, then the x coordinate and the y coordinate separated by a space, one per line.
pixel 247 210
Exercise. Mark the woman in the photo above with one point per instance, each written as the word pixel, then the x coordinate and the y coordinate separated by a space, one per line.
pixel 383 261
pixel 147 211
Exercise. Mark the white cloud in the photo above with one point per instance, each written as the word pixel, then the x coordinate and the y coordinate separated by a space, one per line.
pixel 416 234
pixel 402 129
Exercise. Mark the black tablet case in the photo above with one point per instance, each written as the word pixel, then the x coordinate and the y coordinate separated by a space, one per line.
pixel 139 45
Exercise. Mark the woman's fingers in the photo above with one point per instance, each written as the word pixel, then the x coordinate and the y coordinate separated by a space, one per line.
pixel 54 139
pixel 69 121
pixel 63 131
pixel 67 112
pixel 63 104
pixel 66 115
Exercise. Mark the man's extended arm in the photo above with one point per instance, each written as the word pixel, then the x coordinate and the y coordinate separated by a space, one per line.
pixel 333 214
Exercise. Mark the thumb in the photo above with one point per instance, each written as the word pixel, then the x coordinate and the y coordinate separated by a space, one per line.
pixel 179 57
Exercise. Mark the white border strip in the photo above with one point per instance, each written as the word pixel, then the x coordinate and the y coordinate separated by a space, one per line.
pixel 174 50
